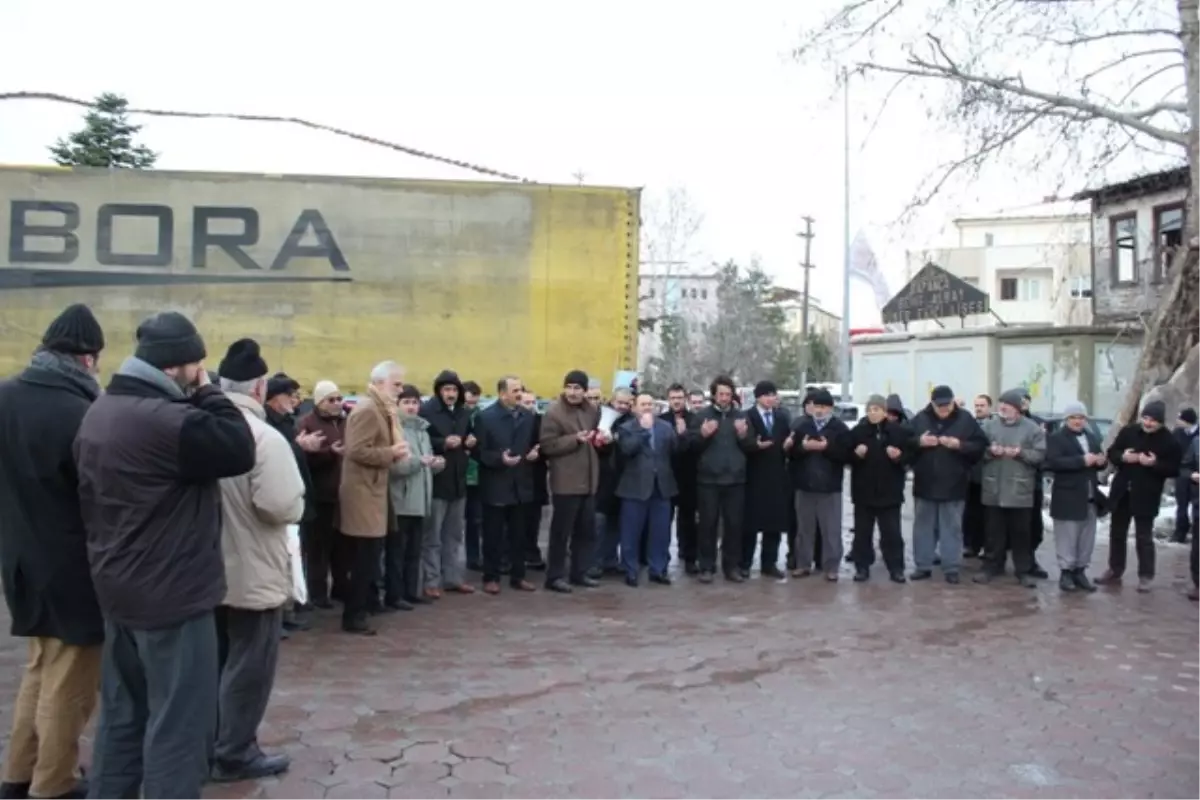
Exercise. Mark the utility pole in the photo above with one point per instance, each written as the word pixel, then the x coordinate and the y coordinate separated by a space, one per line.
pixel 845 338
pixel 807 235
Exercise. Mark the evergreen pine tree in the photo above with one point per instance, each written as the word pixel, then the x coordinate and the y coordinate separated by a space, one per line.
pixel 106 139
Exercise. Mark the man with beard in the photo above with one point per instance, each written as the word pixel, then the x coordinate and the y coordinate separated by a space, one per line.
pixel 946 442
pixel 683 465
pixel 974 520
pixel 43 555
pixel 1145 455
pixel 450 433
pixel 324 426
pixel 567 435
pixel 1011 470
pixel 768 484
pixel 149 454
pixel 721 437
pixel 817 448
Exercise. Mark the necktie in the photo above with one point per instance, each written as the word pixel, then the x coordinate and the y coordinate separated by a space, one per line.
pixel 767 422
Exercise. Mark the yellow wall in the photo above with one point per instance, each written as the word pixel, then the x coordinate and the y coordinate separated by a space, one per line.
pixel 484 278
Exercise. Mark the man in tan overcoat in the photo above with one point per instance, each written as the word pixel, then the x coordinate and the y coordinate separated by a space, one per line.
pixel 372 443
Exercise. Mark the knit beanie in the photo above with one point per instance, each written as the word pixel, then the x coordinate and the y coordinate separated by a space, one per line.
pixel 243 362
pixel 74 331
pixel 169 339
pixel 1075 409
pixel 322 390
pixel 1188 415
pixel 877 400
pixel 576 377
pixel 1155 410
pixel 1013 397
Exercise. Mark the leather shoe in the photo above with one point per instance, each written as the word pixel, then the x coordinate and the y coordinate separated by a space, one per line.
pixel 587 582
pixel 359 629
pixel 661 580
pixel 631 581
pixel 559 585
pixel 262 767
pixel 398 605
pixel 773 572
pixel 691 568
pixel 862 574
pixel 734 577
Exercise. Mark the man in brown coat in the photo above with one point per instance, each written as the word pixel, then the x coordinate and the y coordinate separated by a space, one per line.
pixel 372 442
pixel 568 433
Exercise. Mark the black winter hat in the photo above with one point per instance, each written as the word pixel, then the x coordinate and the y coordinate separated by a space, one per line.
pixel 279 384
pixel 821 397
pixel 243 362
pixel 169 339
pixel 1155 410
pixel 74 331
pixel 941 395
pixel 764 388
pixel 577 377
pixel 1188 415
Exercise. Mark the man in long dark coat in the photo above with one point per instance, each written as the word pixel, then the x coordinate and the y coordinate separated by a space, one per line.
pixel 768 486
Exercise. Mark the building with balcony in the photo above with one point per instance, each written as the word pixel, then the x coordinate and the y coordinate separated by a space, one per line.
pixel 1034 263
pixel 1136 228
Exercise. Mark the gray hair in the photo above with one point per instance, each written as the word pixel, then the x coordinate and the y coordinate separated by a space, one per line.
pixel 384 370
pixel 247 388
pixel 622 391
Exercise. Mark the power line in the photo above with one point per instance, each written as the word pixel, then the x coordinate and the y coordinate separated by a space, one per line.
pixel 303 123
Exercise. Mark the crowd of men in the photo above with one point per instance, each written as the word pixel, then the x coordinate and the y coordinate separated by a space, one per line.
pixel 144 528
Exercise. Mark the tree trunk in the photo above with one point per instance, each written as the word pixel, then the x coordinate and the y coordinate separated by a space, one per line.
pixel 1173 329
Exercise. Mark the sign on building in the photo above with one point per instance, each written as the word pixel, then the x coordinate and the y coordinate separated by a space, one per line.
pixel 934 293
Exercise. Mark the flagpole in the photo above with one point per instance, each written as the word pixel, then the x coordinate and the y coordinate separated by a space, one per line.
pixel 845 343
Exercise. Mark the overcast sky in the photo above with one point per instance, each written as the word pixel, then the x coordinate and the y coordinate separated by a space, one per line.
pixel 649 94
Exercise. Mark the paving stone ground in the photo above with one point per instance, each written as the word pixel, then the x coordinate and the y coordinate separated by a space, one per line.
pixel 770 689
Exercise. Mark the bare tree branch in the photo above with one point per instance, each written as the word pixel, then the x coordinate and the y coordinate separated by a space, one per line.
pixel 1109 35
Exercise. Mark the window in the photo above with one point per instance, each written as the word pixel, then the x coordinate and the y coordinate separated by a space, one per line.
pixel 1030 289
pixel 1168 235
pixel 651 295
pixel 988 240
pixel 1081 287
pixel 1123 239
pixel 1008 288
pixel 704 294
pixel 693 294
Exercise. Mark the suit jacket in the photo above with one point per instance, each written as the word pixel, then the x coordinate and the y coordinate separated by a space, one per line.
pixel 498 429
pixel 647 467
pixel 769 495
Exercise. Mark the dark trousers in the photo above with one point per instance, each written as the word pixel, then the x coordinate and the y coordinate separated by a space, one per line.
pixel 248 652
pixel 770 549
pixel 686 528
pixel 503 525
pixel 1008 528
pixel 1118 542
pixel 158 710
pixel 322 554
pixel 533 532
pixel 362 561
pixel 573 531
pixel 473 530
pixel 891 540
pixel 721 506
pixel 1195 548
pixel 1183 509
pixel 402 559
pixel 974 525
pixel 1037 526
pixel 646 524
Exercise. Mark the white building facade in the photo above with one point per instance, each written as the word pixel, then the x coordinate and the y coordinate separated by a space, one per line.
pixel 691 296
pixel 1034 264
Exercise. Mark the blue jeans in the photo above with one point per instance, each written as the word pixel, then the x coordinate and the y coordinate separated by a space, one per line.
pixel 608 539
pixel 937 528
pixel 637 516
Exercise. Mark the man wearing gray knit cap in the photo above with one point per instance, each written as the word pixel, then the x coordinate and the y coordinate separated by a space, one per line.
pixel 1074 455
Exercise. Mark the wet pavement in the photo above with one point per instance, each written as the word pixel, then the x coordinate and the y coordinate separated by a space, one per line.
pixel 770 689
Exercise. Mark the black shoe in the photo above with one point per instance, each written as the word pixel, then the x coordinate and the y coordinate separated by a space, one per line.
pixel 706 576
pixel 397 605
pixel 358 628
pixel 414 601
pixel 612 572
pixel 14 791
pixel 1081 581
pixel 862 574
pixel 790 562
pixel 1037 572
pixel 921 575
pixel 773 572
pixel 1026 581
pixel 631 581
pixel 952 578
pixel 744 572
pixel 848 558
pixel 937 561
pixel 595 574
pixel 897 576
pixel 734 577
pixel 262 767
pixel 983 577
pixel 661 580
pixel 691 568
pixel 1066 581
pixel 587 582
pixel 559 585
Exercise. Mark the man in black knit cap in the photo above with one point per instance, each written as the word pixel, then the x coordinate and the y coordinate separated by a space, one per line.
pixel 43 556
pixel 149 454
